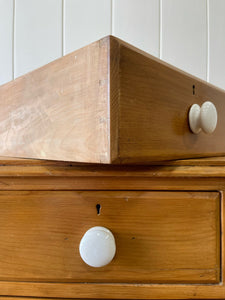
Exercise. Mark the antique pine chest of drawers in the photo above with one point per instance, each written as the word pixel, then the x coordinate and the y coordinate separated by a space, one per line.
pixel 167 221
pixel 117 222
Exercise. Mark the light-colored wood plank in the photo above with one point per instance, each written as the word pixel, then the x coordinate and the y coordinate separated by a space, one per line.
pixel 129 172
pixel 209 161
pixel 30 298
pixel 19 183
pixel 161 237
pixel 110 291
pixel 61 110
pixel 114 98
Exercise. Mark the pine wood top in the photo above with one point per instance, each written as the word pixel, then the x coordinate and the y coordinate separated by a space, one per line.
pixel 207 167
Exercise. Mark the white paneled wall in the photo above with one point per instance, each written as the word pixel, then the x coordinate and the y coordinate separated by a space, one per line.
pixel 85 21
pixel 6 40
pixel 189 34
pixel 217 42
pixel 184 35
pixel 37 34
pixel 137 22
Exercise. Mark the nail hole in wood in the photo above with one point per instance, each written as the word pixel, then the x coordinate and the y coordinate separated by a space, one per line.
pixel 193 89
pixel 98 207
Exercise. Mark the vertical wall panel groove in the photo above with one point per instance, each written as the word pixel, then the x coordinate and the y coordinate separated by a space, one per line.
pixel 208 38
pixel 63 27
pixel 160 29
pixel 38 33
pixel 86 21
pixel 184 35
pixel 137 22
pixel 6 41
pixel 13 40
pixel 111 16
pixel 196 44
pixel 217 42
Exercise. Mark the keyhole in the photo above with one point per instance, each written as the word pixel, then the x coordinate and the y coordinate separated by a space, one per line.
pixel 98 207
pixel 193 89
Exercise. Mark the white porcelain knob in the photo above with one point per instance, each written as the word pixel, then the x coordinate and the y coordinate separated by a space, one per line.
pixel 203 118
pixel 97 247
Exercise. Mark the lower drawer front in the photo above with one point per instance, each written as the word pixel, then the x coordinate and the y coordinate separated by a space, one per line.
pixel 161 237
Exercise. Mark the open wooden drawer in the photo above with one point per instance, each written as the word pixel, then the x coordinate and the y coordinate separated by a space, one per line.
pixel 108 102
pixel 161 237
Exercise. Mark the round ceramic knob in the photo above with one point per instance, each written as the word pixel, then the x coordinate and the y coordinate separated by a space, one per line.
pixel 203 118
pixel 97 247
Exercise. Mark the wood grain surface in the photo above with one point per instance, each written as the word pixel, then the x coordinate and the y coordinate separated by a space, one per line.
pixel 23 174
pixel 110 291
pixel 59 111
pixel 108 102
pixel 114 82
pixel 28 215
pixel 155 99
pixel 161 237
pixel 95 172
pixel 208 161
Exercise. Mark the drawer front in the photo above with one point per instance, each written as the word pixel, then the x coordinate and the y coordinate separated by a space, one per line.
pixel 155 101
pixel 161 237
